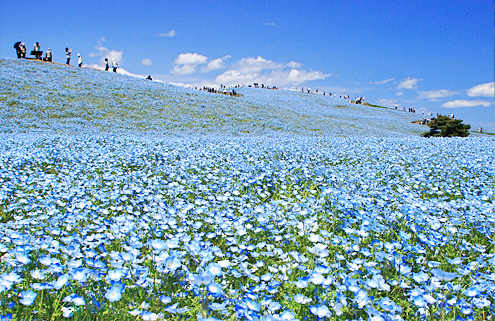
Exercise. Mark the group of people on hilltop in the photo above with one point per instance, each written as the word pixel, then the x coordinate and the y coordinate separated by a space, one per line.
pixel 20 48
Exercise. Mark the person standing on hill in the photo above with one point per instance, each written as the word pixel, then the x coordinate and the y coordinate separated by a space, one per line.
pixel 17 47
pixel 79 60
pixel 37 48
pixel 48 55
pixel 67 54
pixel 114 65
pixel 23 50
pixel 106 64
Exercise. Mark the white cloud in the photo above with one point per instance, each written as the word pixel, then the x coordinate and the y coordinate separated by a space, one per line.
pixel 294 64
pixel 270 24
pixel 171 33
pixel 104 52
pixel 483 90
pixel 215 64
pixel 435 94
pixel 409 83
pixel 381 82
pixel 260 70
pixel 272 78
pixel 466 103
pixel 190 59
pixel 188 69
pixel 248 65
pixel 400 93
pixel 245 71
pixel 146 62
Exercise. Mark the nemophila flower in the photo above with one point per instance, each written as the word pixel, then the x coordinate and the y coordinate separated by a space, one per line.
pixel 27 297
pixel 420 277
pixel 22 258
pixel 74 264
pixel 361 298
pixel 115 275
pixel 174 310
pixel 114 293
pixel 455 261
pixel 11 277
pixel 419 301
pixel 301 299
pixel 150 316
pixel 218 306
pixel 428 298
pixel 215 289
pixel 403 269
pixel 158 245
pixel 37 274
pixel 80 274
pixel 79 301
pixel 472 291
pixel 41 286
pixel 173 263
pixel 466 310
pixel 67 312
pixel 316 278
pixel 202 278
pixel 389 305
pixel 253 305
pixel 321 311
pixel 165 299
pixel 70 297
pixel 443 276
pixel 135 312
pixel 301 284
pixel 214 269
pixel 481 302
pixel 61 281
pixel 224 263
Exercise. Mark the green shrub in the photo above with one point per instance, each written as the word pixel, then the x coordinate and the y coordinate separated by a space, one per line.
pixel 444 126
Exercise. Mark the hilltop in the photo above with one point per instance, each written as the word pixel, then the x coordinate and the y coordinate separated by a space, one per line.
pixel 37 96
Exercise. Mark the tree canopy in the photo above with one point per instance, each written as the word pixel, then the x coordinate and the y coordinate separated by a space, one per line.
pixel 444 126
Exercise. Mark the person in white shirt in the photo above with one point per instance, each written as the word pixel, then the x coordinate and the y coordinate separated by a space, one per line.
pixel 48 56
pixel 79 60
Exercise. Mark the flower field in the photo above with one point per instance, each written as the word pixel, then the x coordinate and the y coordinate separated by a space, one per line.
pixel 126 223
pixel 39 97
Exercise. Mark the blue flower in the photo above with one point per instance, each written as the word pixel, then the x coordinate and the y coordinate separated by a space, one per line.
pixel 443 276
pixel 67 312
pixel 202 278
pixel 472 291
pixel 299 298
pixel 321 311
pixel 61 281
pixel 214 269
pixel 114 293
pixel 28 297
pixel 215 289
pixel 115 275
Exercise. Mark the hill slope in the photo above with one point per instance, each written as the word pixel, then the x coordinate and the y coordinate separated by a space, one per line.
pixel 38 96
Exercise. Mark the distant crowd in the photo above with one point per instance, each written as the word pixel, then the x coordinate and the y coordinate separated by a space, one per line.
pixel 223 90
pixel 20 48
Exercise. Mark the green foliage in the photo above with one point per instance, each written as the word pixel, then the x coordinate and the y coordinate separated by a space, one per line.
pixel 444 126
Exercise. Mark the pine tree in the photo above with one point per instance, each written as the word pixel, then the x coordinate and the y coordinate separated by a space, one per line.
pixel 444 126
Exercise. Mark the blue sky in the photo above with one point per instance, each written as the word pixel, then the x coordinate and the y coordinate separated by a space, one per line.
pixel 430 55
